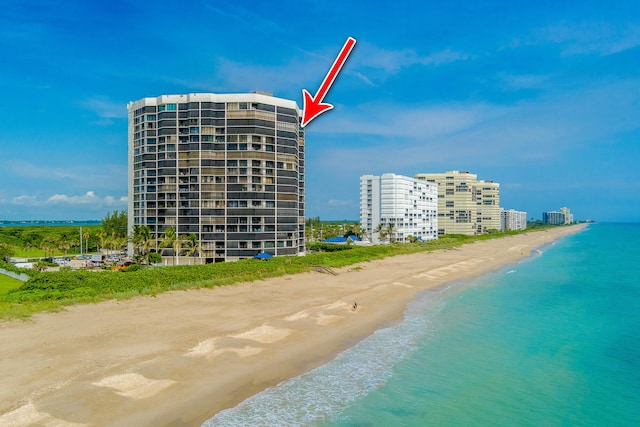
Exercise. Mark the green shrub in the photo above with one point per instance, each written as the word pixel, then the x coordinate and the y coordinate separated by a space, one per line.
pixel 327 247
pixel 10 267
pixel 52 290
pixel 132 267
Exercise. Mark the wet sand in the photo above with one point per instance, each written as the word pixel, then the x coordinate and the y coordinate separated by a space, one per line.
pixel 181 357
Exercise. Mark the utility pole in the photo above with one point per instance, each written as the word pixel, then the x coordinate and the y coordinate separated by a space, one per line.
pixel 80 240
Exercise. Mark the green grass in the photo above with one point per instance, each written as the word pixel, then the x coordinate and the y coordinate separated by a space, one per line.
pixel 53 291
pixel 8 283
pixel 28 253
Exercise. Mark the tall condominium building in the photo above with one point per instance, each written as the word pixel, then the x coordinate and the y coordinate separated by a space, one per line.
pixel 568 216
pixel 228 168
pixel 466 205
pixel 561 217
pixel 403 206
pixel 553 217
pixel 512 220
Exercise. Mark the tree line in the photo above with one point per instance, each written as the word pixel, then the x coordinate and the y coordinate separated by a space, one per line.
pixel 111 235
pixel 45 241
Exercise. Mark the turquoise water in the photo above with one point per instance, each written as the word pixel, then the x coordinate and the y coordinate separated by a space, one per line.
pixel 553 340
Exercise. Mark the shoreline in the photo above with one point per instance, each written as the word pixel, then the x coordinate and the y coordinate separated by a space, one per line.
pixel 183 356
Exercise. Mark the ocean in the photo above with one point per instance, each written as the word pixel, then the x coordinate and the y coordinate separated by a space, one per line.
pixel 38 223
pixel 553 340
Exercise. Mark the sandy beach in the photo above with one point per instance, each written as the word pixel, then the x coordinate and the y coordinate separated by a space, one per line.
pixel 181 357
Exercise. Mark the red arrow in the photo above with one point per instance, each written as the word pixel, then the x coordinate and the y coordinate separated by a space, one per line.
pixel 313 107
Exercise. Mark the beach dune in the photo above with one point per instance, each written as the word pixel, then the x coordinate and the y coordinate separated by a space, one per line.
pixel 181 357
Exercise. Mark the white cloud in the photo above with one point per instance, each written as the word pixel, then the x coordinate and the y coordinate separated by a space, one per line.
pixel 106 177
pixel 528 132
pixel 369 56
pixel 25 200
pixel 87 199
pixel 413 123
pixel 245 19
pixel 363 78
pixel 601 38
pixel 105 108
pixel 308 69
pixel 30 170
pixel 112 201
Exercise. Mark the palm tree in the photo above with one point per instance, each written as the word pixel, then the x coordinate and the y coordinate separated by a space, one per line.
pixel 142 241
pixel 171 240
pixel 102 236
pixel 48 245
pixel 390 228
pixel 177 246
pixel 64 243
pixel 360 231
pixel 111 242
pixel 382 230
pixel 26 245
pixel 120 243
pixel 191 245
pixel 86 234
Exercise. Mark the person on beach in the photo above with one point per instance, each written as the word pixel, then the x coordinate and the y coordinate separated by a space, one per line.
pixel 355 306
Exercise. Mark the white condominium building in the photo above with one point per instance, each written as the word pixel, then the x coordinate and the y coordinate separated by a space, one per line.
pixel 398 207
pixel 466 205
pixel 512 220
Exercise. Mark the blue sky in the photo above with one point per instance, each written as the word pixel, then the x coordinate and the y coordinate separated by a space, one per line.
pixel 540 96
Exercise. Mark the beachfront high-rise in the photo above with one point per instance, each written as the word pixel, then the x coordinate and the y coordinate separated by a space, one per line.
pixel 561 217
pixel 512 220
pixel 466 205
pixel 400 205
pixel 568 216
pixel 228 168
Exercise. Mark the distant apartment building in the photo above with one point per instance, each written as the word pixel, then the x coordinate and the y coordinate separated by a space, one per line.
pixel 401 205
pixel 466 205
pixel 561 217
pixel 553 217
pixel 228 168
pixel 568 216
pixel 512 220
